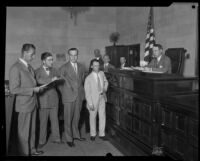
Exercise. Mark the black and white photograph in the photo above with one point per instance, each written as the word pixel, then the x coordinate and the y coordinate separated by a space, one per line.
pixel 102 81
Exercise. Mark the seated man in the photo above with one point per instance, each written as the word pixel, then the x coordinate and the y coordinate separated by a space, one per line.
pixel 160 62
pixel 123 62
pixel 107 66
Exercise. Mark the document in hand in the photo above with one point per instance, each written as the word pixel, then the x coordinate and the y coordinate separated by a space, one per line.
pixel 51 83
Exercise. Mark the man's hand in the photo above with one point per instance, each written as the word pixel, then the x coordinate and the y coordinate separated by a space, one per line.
pixel 36 89
pixel 54 78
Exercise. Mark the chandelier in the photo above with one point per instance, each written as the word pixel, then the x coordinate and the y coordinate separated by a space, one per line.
pixel 74 11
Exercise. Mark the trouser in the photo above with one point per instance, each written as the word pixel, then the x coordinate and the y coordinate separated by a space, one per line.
pixel 102 118
pixel 71 119
pixel 26 132
pixel 52 114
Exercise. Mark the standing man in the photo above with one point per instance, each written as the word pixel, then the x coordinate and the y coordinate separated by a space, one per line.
pixel 97 57
pixel 96 86
pixel 107 66
pixel 72 96
pixel 160 62
pixel 123 62
pixel 23 86
pixel 48 100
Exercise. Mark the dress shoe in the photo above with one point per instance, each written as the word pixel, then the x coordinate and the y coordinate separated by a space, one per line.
pixel 103 138
pixel 37 153
pixel 80 139
pixel 71 144
pixel 40 146
pixel 92 138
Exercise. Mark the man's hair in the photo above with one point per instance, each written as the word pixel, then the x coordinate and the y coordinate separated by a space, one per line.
pixel 73 49
pixel 94 60
pixel 159 46
pixel 27 47
pixel 45 55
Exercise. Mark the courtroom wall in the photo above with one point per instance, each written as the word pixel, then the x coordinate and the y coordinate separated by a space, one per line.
pixel 175 26
pixel 52 29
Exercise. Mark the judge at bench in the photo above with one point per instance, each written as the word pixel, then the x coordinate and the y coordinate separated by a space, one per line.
pixel 48 100
pixel 160 62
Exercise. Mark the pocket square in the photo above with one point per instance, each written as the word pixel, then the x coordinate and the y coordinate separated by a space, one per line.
pixel 160 66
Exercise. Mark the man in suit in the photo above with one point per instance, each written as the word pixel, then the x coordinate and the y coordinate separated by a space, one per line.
pixel 96 86
pixel 160 62
pixel 97 57
pixel 72 96
pixel 23 86
pixel 107 66
pixel 123 62
pixel 48 100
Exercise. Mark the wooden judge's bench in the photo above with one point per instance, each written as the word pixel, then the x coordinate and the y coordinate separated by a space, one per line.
pixel 146 111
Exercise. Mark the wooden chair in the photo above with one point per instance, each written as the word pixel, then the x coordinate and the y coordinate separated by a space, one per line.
pixel 177 56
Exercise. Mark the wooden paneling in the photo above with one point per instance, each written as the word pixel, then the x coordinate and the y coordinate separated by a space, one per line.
pixel 151 110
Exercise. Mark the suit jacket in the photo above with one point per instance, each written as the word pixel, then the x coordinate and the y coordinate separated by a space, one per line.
pixel 22 82
pixel 73 84
pixel 49 97
pixel 107 68
pixel 164 65
pixel 125 65
pixel 100 64
pixel 91 88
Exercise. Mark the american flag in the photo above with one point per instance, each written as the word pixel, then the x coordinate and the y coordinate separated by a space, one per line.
pixel 150 38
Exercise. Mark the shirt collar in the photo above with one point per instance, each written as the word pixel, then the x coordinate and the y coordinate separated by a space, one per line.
pixel 24 62
pixel 106 64
pixel 73 63
pixel 158 59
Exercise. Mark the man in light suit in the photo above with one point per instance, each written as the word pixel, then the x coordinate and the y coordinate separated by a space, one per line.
pixel 160 62
pixel 107 66
pixel 48 100
pixel 23 85
pixel 96 86
pixel 72 96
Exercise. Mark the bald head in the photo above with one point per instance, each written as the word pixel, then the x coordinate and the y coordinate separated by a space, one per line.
pixel 97 53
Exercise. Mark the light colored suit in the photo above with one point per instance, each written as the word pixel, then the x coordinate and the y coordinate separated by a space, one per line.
pixel 22 82
pixel 48 103
pixel 72 96
pixel 94 98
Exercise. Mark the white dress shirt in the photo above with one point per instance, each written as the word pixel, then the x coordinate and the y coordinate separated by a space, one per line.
pixel 47 71
pixel 24 62
pixel 74 65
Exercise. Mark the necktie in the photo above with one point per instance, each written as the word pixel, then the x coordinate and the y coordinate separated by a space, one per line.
pixel 29 68
pixel 98 83
pixel 47 70
pixel 75 68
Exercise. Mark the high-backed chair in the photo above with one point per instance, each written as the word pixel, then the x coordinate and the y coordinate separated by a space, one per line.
pixel 177 56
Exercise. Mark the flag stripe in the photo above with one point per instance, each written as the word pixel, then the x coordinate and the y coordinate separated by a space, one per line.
pixel 150 37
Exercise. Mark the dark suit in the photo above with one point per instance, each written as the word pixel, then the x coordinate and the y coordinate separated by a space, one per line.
pixel 72 97
pixel 164 65
pixel 100 64
pixel 106 68
pixel 48 103
pixel 22 82
pixel 125 65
